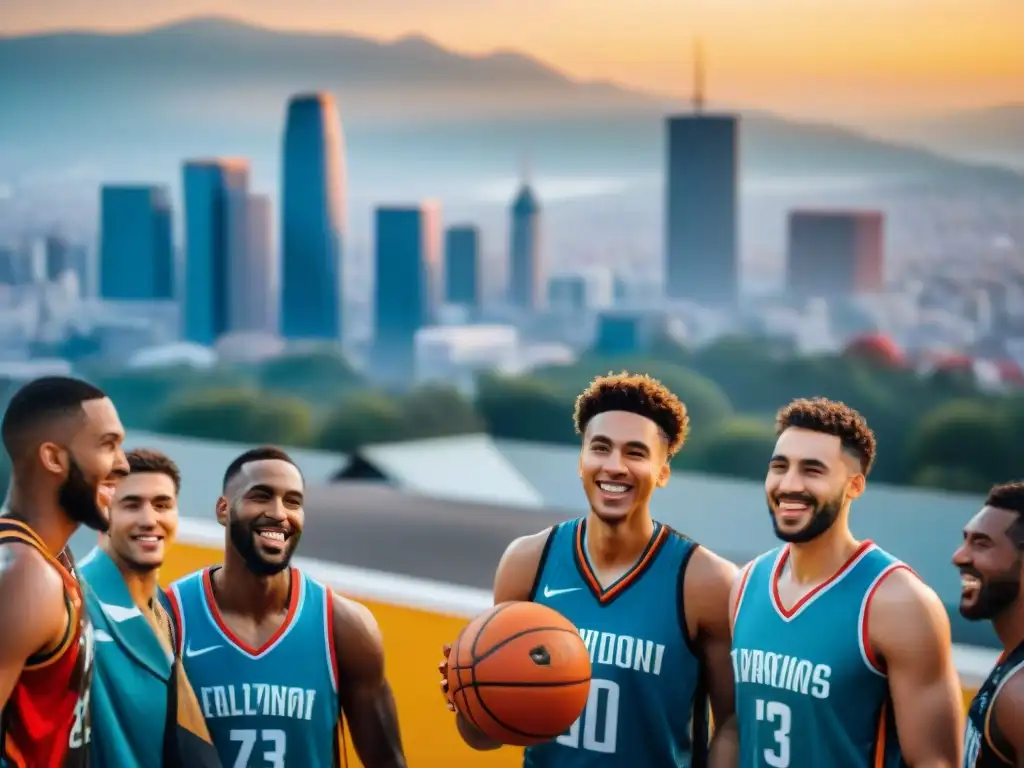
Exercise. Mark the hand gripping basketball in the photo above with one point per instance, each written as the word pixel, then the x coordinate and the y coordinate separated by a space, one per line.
pixel 519 673
pixel 443 669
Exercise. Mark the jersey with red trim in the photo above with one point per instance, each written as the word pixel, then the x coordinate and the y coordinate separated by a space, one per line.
pixel 645 689
pixel 45 723
pixel 809 690
pixel 270 707
pixel 984 747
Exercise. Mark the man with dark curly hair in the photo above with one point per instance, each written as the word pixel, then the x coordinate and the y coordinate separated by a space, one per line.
pixel 650 604
pixel 842 654
pixel 991 564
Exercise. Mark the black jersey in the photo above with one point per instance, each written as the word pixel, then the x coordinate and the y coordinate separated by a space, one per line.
pixel 983 746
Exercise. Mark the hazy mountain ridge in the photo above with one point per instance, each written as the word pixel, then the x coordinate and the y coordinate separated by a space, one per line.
pixel 218 86
pixel 989 134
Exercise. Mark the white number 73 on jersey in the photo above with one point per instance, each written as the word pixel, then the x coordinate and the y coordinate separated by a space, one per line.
pixel 272 740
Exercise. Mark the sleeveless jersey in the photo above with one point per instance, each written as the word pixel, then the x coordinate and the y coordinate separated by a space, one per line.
pixel 809 689
pixel 269 707
pixel 45 723
pixel 646 686
pixel 981 744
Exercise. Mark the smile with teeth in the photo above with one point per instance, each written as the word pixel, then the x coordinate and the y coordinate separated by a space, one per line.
pixel 793 506
pixel 613 487
pixel 151 539
pixel 969 582
pixel 272 535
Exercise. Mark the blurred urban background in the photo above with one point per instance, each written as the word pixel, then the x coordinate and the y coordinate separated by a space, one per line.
pixel 382 225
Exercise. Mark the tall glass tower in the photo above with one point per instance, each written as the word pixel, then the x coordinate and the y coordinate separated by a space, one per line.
pixel 214 230
pixel 313 219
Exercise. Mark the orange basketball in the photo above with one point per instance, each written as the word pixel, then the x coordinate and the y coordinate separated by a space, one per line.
pixel 520 673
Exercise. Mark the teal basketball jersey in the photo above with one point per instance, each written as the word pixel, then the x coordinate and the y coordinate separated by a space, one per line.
pixel 809 690
pixel 270 707
pixel 645 691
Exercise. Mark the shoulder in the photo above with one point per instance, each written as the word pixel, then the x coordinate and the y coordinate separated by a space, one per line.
pixel 186 582
pixel 358 643
pixel 25 572
pixel 1008 708
pixel 741 577
pixel 352 616
pixel 707 582
pixel 902 612
pixel 529 548
pixel 709 575
pixel 520 565
pixel 177 597
pixel 32 606
pixel 897 588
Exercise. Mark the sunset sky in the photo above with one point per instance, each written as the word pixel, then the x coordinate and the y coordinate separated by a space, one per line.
pixel 845 57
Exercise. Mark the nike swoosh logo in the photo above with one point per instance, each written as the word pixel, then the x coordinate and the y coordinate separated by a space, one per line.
pixel 189 653
pixel 119 613
pixel 102 637
pixel 548 592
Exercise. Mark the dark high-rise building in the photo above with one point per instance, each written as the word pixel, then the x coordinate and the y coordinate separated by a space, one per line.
pixel 462 265
pixel 136 244
pixel 60 257
pixel 835 253
pixel 253 274
pixel 214 227
pixel 313 219
pixel 407 255
pixel 702 199
pixel 13 266
pixel 701 206
pixel 526 283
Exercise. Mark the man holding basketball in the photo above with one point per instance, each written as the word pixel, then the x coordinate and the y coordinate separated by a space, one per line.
pixel 633 588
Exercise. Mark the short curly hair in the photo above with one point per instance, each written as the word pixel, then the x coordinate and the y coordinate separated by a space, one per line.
pixel 1010 496
pixel 831 417
pixel 636 393
pixel 147 460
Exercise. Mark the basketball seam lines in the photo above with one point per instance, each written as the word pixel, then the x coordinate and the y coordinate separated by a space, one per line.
pixel 522 633
pixel 475 684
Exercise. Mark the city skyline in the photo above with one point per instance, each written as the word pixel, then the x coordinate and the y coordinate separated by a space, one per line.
pixel 819 61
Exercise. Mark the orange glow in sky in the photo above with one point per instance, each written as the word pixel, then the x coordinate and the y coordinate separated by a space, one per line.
pixel 844 57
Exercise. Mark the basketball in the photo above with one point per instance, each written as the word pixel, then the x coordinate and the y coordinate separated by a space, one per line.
pixel 520 673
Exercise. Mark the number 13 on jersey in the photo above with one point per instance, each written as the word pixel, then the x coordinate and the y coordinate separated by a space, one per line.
pixel 780 718
pixel 600 720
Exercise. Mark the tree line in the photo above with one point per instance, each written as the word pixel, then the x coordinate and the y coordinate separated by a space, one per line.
pixel 936 431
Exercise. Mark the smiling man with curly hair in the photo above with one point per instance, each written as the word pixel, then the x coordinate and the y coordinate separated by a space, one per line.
pixel 650 603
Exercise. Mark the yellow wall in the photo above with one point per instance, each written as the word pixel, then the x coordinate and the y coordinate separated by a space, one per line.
pixel 414 641
pixel 414 650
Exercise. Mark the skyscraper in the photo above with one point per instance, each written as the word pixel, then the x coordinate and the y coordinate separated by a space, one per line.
pixel 214 228
pixel 60 257
pixel 253 274
pixel 835 253
pixel 407 257
pixel 526 272
pixel 136 244
pixel 462 265
pixel 313 219
pixel 701 251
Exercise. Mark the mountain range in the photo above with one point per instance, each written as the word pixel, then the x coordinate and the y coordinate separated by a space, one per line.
pixel 132 105
pixel 988 135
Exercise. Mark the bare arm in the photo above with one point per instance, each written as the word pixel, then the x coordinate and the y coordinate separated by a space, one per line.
pixel 1009 720
pixel 706 593
pixel 513 581
pixel 909 634
pixel 32 611
pixel 364 692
